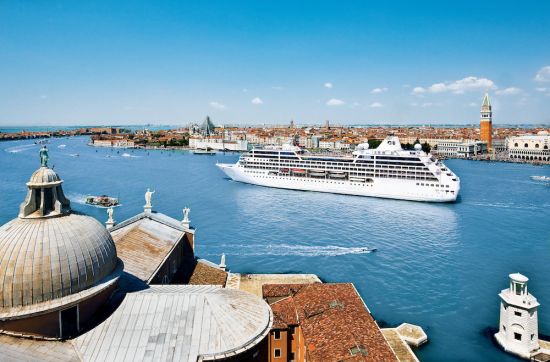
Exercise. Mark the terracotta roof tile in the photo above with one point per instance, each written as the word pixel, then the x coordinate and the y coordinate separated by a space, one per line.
pixel 335 322
pixel 204 274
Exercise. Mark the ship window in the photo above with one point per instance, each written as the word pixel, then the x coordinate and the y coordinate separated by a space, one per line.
pixel 517 336
pixel 277 353
pixel 277 334
pixel 518 314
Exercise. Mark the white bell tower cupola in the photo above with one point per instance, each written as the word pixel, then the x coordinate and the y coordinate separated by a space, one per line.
pixel 518 330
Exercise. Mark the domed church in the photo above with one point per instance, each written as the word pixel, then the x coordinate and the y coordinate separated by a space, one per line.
pixel 56 266
pixel 67 295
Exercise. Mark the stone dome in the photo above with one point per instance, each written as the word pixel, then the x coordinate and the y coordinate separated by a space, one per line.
pixel 49 258
pixel 44 175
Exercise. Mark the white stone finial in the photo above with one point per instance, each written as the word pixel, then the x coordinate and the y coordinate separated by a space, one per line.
pixel 222 262
pixel 148 196
pixel 185 222
pixel 110 222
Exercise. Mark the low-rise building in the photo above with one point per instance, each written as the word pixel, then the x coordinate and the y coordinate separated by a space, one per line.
pixel 530 147
pixel 460 149
pixel 323 322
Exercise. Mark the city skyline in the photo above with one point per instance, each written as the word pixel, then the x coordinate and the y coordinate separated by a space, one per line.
pixel 255 63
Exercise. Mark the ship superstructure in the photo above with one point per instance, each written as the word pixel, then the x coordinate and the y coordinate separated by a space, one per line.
pixel 387 171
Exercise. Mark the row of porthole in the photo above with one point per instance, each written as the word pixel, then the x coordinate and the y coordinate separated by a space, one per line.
pixel 432 185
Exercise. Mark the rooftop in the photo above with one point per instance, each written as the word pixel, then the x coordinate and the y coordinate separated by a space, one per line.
pixel 335 322
pixel 178 323
pixel 144 241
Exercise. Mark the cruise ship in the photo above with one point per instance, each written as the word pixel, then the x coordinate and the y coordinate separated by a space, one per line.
pixel 387 171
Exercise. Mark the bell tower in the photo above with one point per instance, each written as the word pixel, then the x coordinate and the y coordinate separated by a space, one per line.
pixel 518 330
pixel 486 122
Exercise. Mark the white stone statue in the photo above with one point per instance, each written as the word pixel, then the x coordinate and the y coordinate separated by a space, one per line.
pixel 222 262
pixel 110 222
pixel 186 211
pixel 148 197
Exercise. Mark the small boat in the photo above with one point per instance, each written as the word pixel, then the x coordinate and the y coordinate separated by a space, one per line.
pixel 102 200
pixel 204 152
pixel 357 179
pixel 61 146
pixel 541 178
pixel 298 171
pixel 74 155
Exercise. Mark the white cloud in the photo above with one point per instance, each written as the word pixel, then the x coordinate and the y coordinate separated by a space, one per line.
pixel 473 104
pixel 257 100
pixel 335 102
pixel 458 86
pixel 217 105
pixel 543 75
pixel 328 85
pixel 418 90
pixel 379 90
pixel 427 104
pixel 376 105
pixel 541 89
pixel 509 91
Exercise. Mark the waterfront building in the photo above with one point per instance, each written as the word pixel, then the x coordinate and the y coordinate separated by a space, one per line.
pixel 530 147
pixel 460 149
pixel 486 122
pixel 323 322
pixel 217 143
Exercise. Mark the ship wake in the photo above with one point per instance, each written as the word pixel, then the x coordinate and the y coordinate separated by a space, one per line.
pixel 295 250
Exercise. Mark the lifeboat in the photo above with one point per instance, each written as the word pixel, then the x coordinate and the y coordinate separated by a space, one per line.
pixel 357 179
pixel 298 171
pixel 317 173
pixel 337 174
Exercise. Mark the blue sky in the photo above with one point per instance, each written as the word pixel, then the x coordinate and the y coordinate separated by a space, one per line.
pixel 173 62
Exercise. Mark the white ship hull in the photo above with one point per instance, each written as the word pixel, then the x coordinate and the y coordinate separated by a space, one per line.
pixel 401 189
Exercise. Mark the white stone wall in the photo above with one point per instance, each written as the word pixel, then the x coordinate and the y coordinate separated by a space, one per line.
pixel 526 325
pixel 536 148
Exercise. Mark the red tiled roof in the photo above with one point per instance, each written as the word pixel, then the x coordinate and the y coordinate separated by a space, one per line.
pixel 334 321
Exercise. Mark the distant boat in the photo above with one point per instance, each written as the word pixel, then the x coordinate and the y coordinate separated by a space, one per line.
pixel 75 154
pixel 61 146
pixel 541 178
pixel 126 155
pixel 102 200
pixel 41 141
pixel 207 152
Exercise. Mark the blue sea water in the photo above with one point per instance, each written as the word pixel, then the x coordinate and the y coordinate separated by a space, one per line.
pixel 440 266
